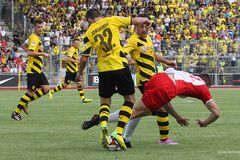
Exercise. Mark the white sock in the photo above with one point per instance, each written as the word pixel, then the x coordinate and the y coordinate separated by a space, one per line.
pixel 113 117
pixel 129 128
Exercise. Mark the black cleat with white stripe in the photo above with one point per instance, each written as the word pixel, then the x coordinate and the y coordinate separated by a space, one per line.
pixel 16 116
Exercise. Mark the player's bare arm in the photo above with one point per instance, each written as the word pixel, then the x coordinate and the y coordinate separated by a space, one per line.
pixel 182 121
pixel 36 54
pixel 25 47
pixel 69 59
pixel 141 20
pixel 82 64
pixel 32 53
pixel 214 115
pixel 165 61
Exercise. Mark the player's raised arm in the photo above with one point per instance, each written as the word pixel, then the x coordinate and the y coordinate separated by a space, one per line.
pixel 214 115
pixel 141 20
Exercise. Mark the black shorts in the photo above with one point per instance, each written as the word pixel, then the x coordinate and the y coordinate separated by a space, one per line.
pixel 119 81
pixel 70 77
pixel 35 81
pixel 141 88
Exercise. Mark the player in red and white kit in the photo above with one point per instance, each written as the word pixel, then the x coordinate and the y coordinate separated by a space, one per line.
pixel 165 86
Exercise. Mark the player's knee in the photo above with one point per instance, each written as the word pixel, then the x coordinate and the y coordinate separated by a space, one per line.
pixel 106 101
pixel 30 92
pixel 46 89
pixel 138 113
pixel 130 98
pixel 65 85
pixel 79 83
pixel 134 114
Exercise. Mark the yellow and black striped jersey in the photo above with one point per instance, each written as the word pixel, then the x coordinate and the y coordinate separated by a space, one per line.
pixel 141 51
pixel 35 64
pixel 72 66
pixel 104 37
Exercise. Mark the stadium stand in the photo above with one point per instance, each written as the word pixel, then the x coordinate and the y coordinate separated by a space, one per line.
pixel 10 60
pixel 202 35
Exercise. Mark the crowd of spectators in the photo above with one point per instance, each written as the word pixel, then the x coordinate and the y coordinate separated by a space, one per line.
pixel 10 60
pixel 194 32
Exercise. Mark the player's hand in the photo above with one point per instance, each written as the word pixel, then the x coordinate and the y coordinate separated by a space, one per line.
pixel 183 121
pixel 201 123
pixel 147 22
pixel 131 62
pixel 46 55
pixel 172 64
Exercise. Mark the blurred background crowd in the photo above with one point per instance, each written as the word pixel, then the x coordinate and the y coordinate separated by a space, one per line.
pixel 198 34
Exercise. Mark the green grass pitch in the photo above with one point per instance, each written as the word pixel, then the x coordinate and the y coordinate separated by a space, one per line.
pixel 52 130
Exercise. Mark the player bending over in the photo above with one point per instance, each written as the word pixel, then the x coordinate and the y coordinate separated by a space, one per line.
pixel 163 87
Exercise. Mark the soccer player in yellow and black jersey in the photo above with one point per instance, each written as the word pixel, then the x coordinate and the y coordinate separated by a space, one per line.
pixel 103 36
pixel 35 76
pixel 139 48
pixel 71 72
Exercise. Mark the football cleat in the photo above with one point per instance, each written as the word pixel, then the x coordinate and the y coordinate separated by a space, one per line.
pixel 104 136
pixel 168 141
pixel 93 122
pixel 120 140
pixel 86 100
pixel 127 143
pixel 16 116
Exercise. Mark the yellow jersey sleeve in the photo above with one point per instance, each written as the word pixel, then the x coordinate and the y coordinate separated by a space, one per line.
pixel 131 45
pixel 121 21
pixel 87 47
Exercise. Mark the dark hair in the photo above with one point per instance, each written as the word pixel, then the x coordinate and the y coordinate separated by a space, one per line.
pixel 92 13
pixel 75 39
pixel 206 78
pixel 37 21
